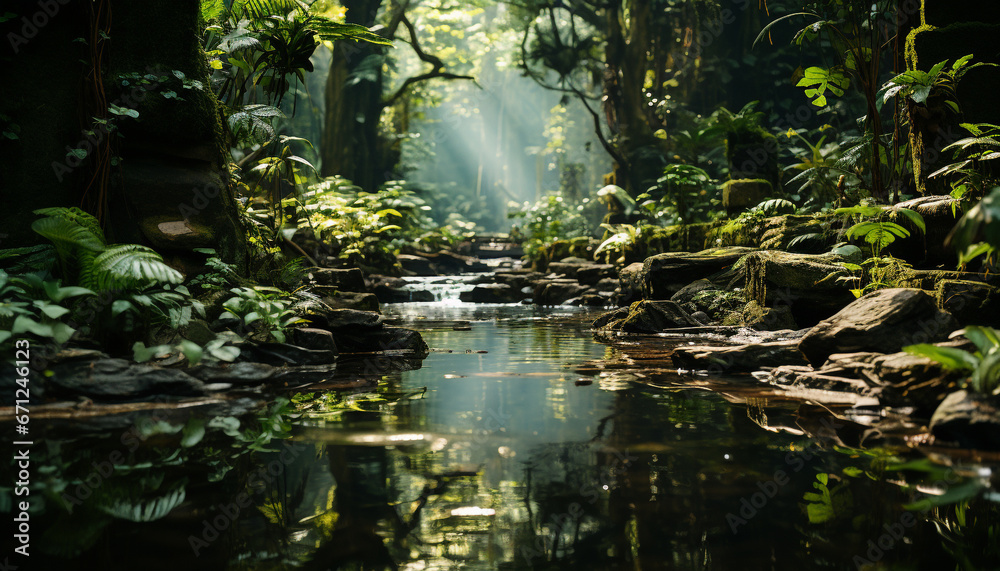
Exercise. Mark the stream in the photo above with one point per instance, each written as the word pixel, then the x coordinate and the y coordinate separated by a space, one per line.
pixel 502 451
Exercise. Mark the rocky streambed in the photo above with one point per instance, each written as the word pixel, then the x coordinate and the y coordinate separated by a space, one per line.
pixel 784 327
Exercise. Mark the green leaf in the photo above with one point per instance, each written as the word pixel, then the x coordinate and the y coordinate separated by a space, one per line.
pixel 818 81
pixel 123 111
pixel 145 509
pixel 25 324
pixel 948 357
pixel 50 309
pixel 193 433
pixel 120 306
pixel 62 333
pixel 953 495
pixel 192 351
pixel 986 339
pixel 57 293
pixel 141 353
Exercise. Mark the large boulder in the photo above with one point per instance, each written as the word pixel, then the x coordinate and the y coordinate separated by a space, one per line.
pixel 353 300
pixel 286 354
pixel 883 321
pixel 663 275
pixel 902 378
pixel 492 293
pixel 90 374
pixel 739 358
pixel 813 286
pixel 647 317
pixel 344 279
pixel 558 291
pixel 968 419
pixel 390 341
pixel 341 319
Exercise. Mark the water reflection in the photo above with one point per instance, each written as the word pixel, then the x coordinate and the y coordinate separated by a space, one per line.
pixel 493 455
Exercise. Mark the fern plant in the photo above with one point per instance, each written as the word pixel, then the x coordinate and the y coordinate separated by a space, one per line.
pixel 973 157
pixel 876 225
pixel 87 260
pixel 266 307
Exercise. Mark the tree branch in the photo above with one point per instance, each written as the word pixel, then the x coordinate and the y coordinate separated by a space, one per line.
pixel 422 77
pixel 436 64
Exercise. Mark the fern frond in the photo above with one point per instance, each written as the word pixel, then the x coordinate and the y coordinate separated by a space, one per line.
pixel 131 266
pixel 30 259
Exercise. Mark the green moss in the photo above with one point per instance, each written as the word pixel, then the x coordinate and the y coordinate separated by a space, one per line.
pixel 677 238
pixel 910 51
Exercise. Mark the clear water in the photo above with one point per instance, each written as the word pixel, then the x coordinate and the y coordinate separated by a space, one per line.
pixel 511 447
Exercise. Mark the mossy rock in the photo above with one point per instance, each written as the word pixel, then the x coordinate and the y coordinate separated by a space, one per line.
pixel 648 317
pixel 761 318
pixel 741 194
pixel 663 275
pixel 813 286
pixel 971 302
pixel 781 231
pixel 677 238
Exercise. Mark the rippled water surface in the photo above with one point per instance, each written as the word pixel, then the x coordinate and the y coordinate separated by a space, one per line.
pixel 504 450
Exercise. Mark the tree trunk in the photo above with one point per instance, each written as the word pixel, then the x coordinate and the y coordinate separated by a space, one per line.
pixel 351 146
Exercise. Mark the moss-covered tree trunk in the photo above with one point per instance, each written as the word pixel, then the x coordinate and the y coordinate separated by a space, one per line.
pixel 124 124
pixel 175 190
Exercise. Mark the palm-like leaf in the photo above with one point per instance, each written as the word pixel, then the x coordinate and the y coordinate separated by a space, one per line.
pixel 77 216
pixel 67 235
pixel 129 266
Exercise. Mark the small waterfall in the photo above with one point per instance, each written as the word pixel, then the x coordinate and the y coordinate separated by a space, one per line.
pixel 444 289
